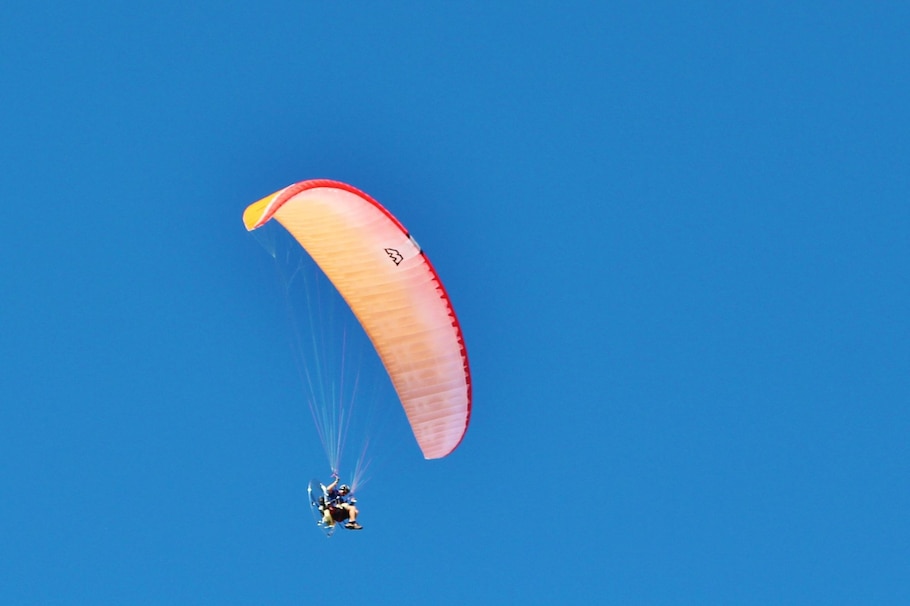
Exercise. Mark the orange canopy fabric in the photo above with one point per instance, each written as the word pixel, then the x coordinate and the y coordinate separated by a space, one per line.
pixel 393 291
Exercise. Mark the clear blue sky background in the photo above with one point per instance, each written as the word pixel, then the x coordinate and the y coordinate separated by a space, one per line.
pixel 676 235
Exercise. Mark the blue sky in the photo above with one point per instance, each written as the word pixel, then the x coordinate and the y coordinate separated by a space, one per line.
pixel 675 235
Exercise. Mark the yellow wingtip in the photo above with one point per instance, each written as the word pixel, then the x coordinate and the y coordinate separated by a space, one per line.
pixel 253 213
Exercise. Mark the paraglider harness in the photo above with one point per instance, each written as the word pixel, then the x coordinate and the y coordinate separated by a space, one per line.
pixel 331 503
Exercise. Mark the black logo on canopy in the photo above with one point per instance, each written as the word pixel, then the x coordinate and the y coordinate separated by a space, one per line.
pixel 394 255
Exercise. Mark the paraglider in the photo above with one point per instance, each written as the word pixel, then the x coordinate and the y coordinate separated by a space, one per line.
pixel 338 505
pixel 396 295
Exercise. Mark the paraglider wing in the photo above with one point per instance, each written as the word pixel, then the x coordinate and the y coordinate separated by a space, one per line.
pixel 395 294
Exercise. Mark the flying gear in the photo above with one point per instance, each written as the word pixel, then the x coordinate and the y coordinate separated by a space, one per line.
pixel 327 509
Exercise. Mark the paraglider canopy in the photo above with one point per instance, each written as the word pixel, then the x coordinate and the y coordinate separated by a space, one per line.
pixel 394 292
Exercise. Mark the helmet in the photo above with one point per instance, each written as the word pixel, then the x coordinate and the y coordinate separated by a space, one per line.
pixel 344 488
